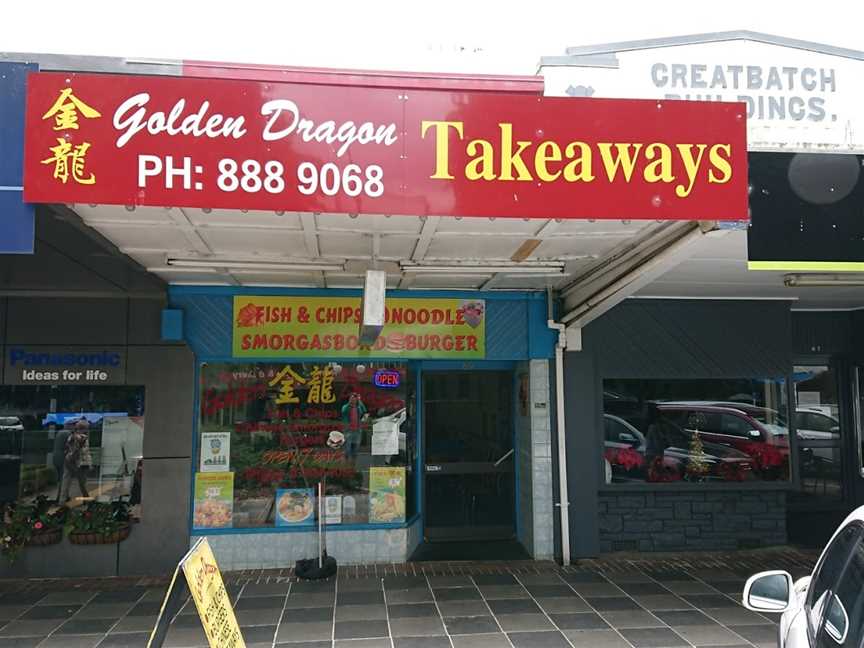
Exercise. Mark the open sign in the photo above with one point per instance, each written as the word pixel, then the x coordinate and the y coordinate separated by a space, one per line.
pixel 387 378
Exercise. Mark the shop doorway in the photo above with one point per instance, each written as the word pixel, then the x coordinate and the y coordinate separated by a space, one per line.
pixel 470 476
pixel 823 436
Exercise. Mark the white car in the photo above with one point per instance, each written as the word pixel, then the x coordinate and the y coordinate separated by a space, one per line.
pixel 11 424
pixel 825 609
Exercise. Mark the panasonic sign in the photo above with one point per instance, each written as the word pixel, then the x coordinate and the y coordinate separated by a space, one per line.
pixel 65 366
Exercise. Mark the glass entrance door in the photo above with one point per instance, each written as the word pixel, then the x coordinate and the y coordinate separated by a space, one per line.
pixel 469 476
pixel 820 438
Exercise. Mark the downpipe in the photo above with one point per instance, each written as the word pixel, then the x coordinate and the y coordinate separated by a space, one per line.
pixel 564 503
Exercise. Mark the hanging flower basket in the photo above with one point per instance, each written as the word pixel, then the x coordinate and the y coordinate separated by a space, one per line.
pixel 99 523
pixel 45 537
pixel 30 525
pixel 89 538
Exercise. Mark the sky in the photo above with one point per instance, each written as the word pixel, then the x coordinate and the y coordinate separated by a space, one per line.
pixel 503 37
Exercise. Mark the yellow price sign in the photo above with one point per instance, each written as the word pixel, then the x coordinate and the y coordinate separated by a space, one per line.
pixel 211 600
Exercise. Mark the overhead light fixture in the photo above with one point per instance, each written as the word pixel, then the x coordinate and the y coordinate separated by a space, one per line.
pixel 537 269
pixel 270 266
pixel 822 280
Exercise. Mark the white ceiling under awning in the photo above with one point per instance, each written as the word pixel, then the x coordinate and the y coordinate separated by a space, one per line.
pixel 154 237
pixel 715 267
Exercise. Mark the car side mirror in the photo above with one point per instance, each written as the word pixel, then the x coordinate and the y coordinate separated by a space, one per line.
pixel 755 434
pixel 770 591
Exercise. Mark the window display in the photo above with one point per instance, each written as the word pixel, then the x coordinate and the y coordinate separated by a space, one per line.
pixel 723 430
pixel 71 444
pixel 275 430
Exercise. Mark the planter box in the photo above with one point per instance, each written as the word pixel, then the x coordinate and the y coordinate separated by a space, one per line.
pixel 97 538
pixel 45 538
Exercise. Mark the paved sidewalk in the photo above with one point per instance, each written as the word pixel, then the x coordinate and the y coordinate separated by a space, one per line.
pixel 619 601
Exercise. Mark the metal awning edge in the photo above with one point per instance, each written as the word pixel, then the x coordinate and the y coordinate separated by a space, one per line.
pixel 714 37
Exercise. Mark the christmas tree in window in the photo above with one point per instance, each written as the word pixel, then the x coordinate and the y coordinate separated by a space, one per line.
pixel 697 465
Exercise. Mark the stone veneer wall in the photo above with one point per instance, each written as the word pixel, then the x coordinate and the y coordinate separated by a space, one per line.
pixel 541 402
pixel 688 520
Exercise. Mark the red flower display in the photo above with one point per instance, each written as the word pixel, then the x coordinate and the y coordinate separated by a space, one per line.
pixel 626 458
pixel 662 471
pixel 765 455
pixel 733 471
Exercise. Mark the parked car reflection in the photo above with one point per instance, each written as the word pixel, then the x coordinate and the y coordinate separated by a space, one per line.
pixel 818 432
pixel 686 456
pixel 759 432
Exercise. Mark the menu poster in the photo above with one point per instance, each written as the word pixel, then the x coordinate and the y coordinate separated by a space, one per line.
pixel 215 451
pixel 333 509
pixel 214 501
pixel 295 506
pixel 385 443
pixel 386 494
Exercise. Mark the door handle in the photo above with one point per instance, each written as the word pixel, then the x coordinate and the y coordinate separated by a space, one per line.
pixel 501 460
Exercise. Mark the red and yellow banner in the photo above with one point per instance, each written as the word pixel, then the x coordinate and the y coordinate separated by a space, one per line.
pixel 239 144
pixel 327 327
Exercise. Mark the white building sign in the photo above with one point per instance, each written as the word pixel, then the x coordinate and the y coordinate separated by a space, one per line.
pixel 797 100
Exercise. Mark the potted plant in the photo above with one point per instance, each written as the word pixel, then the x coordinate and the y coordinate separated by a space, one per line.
pixel 99 523
pixel 46 525
pixel 15 534
pixel 31 525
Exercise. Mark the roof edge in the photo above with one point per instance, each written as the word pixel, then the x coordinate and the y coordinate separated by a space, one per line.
pixel 716 37
pixel 452 81
pixel 456 81
pixel 100 64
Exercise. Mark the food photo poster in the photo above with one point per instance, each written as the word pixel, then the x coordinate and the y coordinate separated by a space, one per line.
pixel 214 501
pixel 386 494
pixel 295 506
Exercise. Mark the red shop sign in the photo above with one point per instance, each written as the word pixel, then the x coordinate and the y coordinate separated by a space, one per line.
pixel 229 144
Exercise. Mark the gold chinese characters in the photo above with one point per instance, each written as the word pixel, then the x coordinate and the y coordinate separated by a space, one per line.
pixel 319 384
pixel 69 160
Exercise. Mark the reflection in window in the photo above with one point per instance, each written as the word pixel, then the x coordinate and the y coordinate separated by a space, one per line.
pixel 858 406
pixel 269 433
pixel 817 422
pixel 71 444
pixel 843 621
pixel 828 572
pixel 663 431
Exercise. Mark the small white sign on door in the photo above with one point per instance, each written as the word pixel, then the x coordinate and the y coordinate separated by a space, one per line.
pixel 215 451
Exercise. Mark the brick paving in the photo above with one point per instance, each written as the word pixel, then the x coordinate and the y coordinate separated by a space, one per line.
pixel 620 600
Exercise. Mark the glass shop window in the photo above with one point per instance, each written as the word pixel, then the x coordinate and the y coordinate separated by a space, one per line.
pixel 669 431
pixel 71 445
pixel 269 433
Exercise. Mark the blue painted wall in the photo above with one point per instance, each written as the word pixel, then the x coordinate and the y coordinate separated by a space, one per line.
pixel 19 218
pixel 515 321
